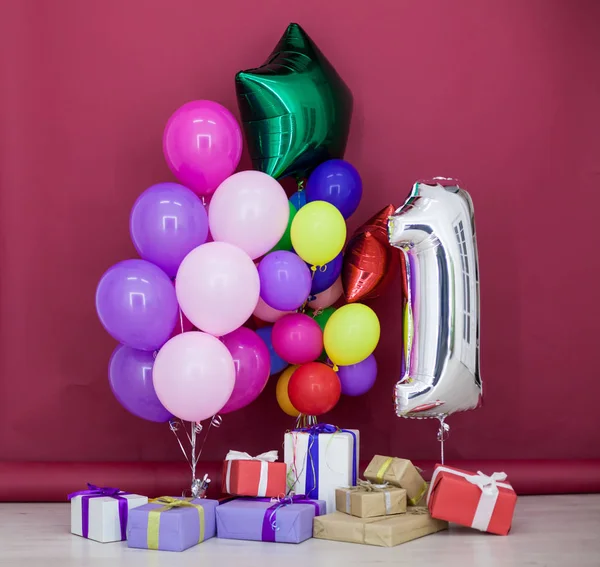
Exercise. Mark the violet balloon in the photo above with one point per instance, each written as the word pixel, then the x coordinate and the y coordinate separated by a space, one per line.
pixel 358 378
pixel 337 182
pixel 277 363
pixel 167 222
pixel 136 304
pixel 297 338
pixel 130 379
pixel 202 144
pixel 325 276
pixel 252 363
pixel 285 280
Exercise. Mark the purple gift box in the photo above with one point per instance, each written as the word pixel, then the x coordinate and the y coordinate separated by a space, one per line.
pixel 178 527
pixel 289 520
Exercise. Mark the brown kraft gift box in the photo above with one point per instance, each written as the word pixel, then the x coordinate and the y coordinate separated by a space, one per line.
pixel 397 472
pixel 369 502
pixel 384 532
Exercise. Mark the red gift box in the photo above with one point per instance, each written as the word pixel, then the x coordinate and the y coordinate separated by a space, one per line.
pixel 474 500
pixel 244 475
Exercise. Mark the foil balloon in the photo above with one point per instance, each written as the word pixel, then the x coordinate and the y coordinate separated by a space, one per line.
pixel 369 260
pixel 295 108
pixel 435 231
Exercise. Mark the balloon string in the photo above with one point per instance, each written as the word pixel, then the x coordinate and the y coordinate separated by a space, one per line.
pixel 442 435
pixel 181 319
pixel 215 422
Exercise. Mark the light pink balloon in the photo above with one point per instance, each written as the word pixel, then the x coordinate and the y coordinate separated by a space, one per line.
pixel 202 144
pixel 266 313
pixel 193 375
pixel 217 287
pixel 328 297
pixel 249 209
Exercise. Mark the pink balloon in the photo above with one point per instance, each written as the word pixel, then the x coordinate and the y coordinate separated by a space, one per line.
pixel 252 367
pixel 193 375
pixel 266 313
pixel 297 338
pixel 202 144
pixel 328 297
pixel 249 209
pixel 217 287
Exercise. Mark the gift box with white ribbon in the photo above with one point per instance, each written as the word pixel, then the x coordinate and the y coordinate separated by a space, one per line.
pixel 482 502
pixel 245 475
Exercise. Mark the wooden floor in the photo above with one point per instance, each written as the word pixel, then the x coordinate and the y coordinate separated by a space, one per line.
pixel 548 531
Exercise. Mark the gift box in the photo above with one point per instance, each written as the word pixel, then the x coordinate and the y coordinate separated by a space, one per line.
pixel 474 500
pixel 102 513
pixel 369 500
pixel 320 459
pixel 385 532
pixel 397 472
pixel 245 475
pixel 172 524
pixel 287 520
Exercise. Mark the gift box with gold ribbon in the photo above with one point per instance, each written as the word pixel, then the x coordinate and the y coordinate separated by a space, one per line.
pixel 172 524
pixel 397 472
pixel 369 500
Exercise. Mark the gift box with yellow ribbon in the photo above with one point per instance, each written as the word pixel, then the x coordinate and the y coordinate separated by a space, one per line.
pixel 397 472
pixel 368 500
pixel 172 524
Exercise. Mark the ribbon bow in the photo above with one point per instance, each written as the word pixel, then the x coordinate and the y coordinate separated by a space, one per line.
pixel 94 490
pixel 486 483
pixel 319 428
pixel 269 525
pixel 268 457
pixel 169 502
pixel 369 486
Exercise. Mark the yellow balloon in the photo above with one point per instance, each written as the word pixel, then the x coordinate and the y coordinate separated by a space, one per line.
pixel 281 392
pixel 318 232
pixel 351 334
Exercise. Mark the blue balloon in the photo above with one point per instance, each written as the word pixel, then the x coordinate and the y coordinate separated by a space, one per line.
pixel 337 182
pixel 325 276
pixel 277 363
pixel 298 199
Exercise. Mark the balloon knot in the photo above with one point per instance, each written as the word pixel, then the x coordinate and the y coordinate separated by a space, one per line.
pixel 335 368
pixel 313 268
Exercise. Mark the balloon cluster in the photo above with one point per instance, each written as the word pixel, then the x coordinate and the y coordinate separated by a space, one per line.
pixel 223 248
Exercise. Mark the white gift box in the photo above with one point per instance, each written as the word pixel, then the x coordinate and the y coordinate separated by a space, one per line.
pixel 319 463
pixel 104 524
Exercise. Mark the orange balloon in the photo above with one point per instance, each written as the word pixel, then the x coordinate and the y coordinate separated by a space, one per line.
pixel 281 392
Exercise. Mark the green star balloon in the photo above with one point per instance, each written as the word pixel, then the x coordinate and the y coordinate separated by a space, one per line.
pixel 295 109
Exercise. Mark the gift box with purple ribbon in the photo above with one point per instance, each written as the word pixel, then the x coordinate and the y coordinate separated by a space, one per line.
pixel 285 520
pixel 101 513
pixel 321 459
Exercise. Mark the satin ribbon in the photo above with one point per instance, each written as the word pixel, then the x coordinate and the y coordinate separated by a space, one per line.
pixel 168 504
pixel 264 458
pixel 269 525
pixel 94 491
pixel 489 493
pixel 312 472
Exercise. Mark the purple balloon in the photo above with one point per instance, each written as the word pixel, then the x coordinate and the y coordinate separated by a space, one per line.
pixel 326 275
pixel 137 305
pixel 167 222
pixel 358 378
pixel 252 367
pixel 130 379
pixel 285 280
pixel 337 182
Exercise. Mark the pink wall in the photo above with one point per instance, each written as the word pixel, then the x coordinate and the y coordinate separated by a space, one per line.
pixel 504 95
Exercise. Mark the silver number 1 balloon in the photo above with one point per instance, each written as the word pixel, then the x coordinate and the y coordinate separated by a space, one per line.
pixel 435 231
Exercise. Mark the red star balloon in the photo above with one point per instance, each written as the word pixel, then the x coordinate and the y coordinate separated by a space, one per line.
pixel 369 260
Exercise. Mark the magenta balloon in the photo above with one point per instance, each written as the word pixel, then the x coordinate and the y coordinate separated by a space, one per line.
pixel 193 375
pixel 252 367
pixel 130 379
pixel 297 338
pixel 136 304
pixel 167 222
pixel 358 378
pixel 202 144
pixel 285 280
